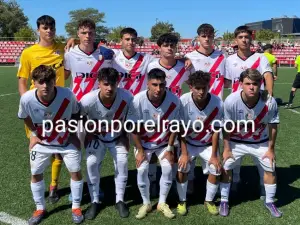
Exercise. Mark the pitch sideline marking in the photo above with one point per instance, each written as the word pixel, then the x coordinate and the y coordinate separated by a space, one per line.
pixel 9 219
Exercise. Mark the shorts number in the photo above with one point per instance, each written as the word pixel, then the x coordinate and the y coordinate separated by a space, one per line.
pixel 32 156
pixel 95 145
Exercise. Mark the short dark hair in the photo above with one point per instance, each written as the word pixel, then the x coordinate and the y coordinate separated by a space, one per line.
pixel 167 38
pixel 108 74
pixel 199 78
pixel 251 74
pixel 205 28
pixel 45 20
pixel 86 22
pixel 157 74
pixel 267 46
pixel 242 29
pixel 43 74
pixel 128 30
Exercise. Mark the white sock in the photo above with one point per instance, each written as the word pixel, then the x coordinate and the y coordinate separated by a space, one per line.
pixel 93 177
pixel 225 188
pixel 76 190
pixel 165 180
pixel 181 189
pixel 270 192
pixel 152 172
pixel 144 183
pixel 121 175
pixel 38 192
pixel 211 190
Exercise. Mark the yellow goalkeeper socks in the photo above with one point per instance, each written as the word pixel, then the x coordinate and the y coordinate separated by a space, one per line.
pixel 56 167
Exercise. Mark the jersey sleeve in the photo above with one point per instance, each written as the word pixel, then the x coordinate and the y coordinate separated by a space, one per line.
pixel 67 63
pixel 25 66
pixel 273 112
pixel 75 104
pixel 265 65
pixel 134 111
pixel 220 117
pixel 22 114
pixel 227 70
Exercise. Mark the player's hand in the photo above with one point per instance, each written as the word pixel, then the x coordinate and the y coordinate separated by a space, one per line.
pixel 88 138
pixel 70 44
pixel 271 156
pixel 33 141
pixel 275 78
pixel 183 161
pixel 188 64
pixel 169 155
pixel 227 154
pixel 107 53
pixel 140 158
pixel 73 139
pixel 216 162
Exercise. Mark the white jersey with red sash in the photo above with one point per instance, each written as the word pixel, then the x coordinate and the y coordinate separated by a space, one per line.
pixel 214 64
pixel 210 115
pixel 175 76
pixel 142 110
pixel 84 69
pixel 60 109
pixel 262 114
pixel 94 109
pixel 235 65
pixel 132 70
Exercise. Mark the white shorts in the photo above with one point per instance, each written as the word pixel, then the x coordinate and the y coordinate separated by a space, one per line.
pixel 97 148
pixel 160 152
pixel 39 160
pixel 204 153
pixel 255 150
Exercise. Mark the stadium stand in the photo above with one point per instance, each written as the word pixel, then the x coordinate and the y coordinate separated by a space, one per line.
pixel 10 51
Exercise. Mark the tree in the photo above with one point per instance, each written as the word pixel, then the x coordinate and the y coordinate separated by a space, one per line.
pixel 25 34
pixel 227 36
pixel 114 34
pixel 94 14
pixel 162 28
pixel 265 35
pixel 12 18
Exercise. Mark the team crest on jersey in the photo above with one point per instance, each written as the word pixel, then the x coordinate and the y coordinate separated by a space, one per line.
pixel 48 114
pixel 249 116
pixel 90 63
pixel 128 65
pixel 244 67
pixel 207 64
pixel 155 115
pixel 201 118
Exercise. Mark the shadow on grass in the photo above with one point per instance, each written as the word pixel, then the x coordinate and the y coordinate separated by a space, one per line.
pixel 249 190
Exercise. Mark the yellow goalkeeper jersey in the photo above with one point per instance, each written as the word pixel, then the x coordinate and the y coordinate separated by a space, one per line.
pixel 37 55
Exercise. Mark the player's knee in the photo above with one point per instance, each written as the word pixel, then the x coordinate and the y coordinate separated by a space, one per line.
pixel 229 164
pixel 268 166
pixel 92 160
pixel 213 170
pixel 166 169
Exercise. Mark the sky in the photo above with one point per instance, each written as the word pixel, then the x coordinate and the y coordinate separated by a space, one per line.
pixel 186 16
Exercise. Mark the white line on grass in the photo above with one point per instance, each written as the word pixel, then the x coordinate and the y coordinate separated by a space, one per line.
pixel 9 219
pixel 9 94
pixel 294 111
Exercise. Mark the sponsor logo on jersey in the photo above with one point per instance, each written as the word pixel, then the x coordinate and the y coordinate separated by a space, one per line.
pixel 90 63
pixel 249 116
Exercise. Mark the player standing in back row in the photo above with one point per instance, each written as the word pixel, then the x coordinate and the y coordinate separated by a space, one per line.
pixel 235 65
pixel 207 59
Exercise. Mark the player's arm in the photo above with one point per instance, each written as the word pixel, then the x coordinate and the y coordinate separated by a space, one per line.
pixel 269 82
pixel 227 83
pixel 23 73
pixel 140 155
pixel 67 74
pixel 226 135
pixel 184 156
pixel 275 67
pixel 214 158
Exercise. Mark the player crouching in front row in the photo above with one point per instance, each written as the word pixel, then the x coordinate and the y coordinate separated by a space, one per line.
pixel 207 109
pixel 108 103
pixel 250 105
pixel 154 105
pixel 47 102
